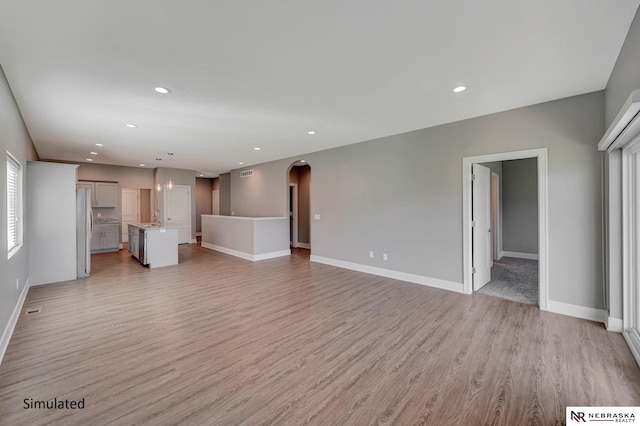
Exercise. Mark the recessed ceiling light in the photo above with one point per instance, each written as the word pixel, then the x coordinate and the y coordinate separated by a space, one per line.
pixel 141 164
pixel 302 161
pixel 459 89
pixel 241 163
pixel 201 175
pixel 257 148
pixel 311 132
pixel 89 159
pixel 162 90
pixel 131 125
pixel 99 144
pixel 93 153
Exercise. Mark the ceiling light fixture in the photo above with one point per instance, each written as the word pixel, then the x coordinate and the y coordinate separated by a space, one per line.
pixel 201 175
pixel 93 153
pixel 170 183
pixel 131 126
pixel 302 161
pixel 89 159
pixel 311 132
pixel 99 144
pixel 257 148
pixel 162 90
pixel 241 163
pixel 141 164
pixel 158 186
pixel 459 89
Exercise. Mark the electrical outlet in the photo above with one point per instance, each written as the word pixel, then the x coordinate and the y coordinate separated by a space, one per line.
pixel 316 216
pixel 370 255
pixel 99 214
pixel 385 256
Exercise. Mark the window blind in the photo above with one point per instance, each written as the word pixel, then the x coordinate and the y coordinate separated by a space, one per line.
pixel 13 175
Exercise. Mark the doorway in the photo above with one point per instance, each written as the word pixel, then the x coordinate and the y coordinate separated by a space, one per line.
pixel 130 210
pixel 177 209
pixel 299 204
pixel 483 253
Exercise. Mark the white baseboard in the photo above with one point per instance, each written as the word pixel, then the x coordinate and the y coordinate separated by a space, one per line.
pixel 519 255
pixel 247 256
pixel 591 314
pixel 13 320
pixel 304 245
pixel 388 273
pixel 633 341
pixel 614 324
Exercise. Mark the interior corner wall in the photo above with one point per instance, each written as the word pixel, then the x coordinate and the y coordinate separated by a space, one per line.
pixel 224 186
pixel 204 200
pixel 624 78
pixel 15 139
pixel 520 206
pixel 415 213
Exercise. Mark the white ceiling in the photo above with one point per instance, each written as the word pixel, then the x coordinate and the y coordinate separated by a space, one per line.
pixel 263 73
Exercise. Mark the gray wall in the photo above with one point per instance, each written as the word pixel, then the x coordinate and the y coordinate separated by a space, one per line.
pixel 403 194
pixel 204 199
pixel 15 139
pixel 224 185
pixel 520 206
pixel 624 78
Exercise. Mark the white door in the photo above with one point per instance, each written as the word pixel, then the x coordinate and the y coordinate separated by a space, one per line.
pixel 215 200
pixel 177 210
pixel 481 216
pixel 130 210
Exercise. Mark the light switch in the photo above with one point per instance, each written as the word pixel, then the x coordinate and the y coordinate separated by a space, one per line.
pixel 316 216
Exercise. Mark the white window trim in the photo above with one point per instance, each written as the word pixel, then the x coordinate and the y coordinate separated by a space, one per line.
pixel 19 207
pixel 630 245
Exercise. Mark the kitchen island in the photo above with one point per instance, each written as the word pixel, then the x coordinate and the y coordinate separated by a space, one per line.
pixel 251 238
pixel 154 245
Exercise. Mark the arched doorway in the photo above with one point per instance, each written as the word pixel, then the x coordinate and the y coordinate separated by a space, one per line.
pixel 299 204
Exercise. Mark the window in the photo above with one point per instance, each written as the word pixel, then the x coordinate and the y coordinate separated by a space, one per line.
pixel 14 205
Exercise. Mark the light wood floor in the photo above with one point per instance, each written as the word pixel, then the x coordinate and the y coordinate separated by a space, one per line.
pixel 218 340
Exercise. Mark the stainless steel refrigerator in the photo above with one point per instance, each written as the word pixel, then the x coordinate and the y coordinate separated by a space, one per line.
pixel 84 231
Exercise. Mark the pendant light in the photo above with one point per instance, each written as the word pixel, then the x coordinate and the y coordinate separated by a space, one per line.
pixel 158 186
pixel 170 183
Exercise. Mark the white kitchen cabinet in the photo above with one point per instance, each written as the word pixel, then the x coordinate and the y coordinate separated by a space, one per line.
pixel 103 194
pixel 106 237
pixel 106 194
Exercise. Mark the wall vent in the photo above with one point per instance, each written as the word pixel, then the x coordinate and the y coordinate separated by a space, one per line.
pixel 246 173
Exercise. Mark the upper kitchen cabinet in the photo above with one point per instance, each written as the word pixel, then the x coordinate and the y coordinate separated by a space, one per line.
pixel 103 194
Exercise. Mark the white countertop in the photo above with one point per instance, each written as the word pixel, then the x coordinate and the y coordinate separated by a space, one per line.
pixel 152 226
pixel 243 217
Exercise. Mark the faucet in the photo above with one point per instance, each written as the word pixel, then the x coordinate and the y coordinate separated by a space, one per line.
pixel 156 213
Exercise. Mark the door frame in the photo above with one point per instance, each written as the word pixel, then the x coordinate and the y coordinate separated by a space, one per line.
pixel 124 232
pixel 631 245
pixel 541 154
pixel 293 190
pixel 165 201
pixel 496 216
pixel 482 251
